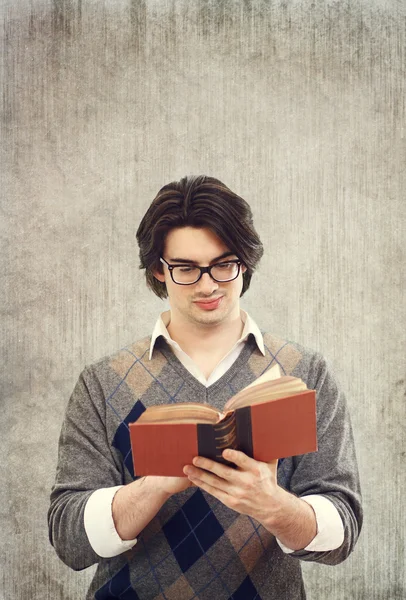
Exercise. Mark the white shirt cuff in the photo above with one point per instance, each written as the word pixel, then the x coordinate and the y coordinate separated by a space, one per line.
pixel 330 529
pixel 99 524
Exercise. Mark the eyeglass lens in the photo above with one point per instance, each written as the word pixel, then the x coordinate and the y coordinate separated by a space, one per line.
pixel 221 272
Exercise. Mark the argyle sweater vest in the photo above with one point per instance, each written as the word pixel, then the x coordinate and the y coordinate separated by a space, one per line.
pixel 195 547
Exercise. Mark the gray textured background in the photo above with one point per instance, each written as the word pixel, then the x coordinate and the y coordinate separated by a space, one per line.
pixel 297 106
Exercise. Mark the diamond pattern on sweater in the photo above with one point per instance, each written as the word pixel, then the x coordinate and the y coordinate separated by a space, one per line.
pixel 195 547
pixel 119 586
pixel 246 591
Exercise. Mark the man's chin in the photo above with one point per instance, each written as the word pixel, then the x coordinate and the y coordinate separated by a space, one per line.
pixel 213 317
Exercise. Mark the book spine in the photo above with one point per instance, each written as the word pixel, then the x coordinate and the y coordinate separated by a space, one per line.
pixel 213 439
pixel 244 430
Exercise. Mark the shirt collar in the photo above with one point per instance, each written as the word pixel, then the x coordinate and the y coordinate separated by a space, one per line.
pixel 250 327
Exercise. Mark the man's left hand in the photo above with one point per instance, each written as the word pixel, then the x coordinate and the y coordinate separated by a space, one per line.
pixel 251 489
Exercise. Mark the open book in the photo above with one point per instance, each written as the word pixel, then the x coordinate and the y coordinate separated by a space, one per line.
pixel 271 418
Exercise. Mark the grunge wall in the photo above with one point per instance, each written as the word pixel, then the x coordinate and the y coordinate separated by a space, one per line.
pixel 298 106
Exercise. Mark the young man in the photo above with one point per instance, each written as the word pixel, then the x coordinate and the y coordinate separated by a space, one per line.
pixel 217 533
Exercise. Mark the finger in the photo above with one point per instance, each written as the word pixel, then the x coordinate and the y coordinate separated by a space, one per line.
pixel 240 459
pixel 245 462
pixel 196 475
pixel 222 471
pixel 215 492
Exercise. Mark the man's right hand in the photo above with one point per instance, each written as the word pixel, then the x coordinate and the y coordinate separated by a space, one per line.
pixel 137 503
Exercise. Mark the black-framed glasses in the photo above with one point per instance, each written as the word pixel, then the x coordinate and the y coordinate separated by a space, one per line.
pixel 189 274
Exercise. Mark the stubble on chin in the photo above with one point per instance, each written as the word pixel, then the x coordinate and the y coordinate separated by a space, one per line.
pixel 209 318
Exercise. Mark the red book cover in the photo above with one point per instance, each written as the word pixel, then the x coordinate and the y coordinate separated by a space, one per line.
pixel 285 427
pixel 163 448
pixel 268 430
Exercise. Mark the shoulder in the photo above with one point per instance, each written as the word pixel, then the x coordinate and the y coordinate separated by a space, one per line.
pixel 119 363
pixel 136 351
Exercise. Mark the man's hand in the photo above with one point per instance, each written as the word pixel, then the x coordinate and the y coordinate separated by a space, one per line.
pixel 252 489
pixel 136 503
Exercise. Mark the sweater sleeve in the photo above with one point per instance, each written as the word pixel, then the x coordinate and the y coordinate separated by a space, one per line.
pixel 85 464
pixel 332 471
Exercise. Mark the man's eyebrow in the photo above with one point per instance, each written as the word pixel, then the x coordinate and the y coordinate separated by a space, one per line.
pixel 187 261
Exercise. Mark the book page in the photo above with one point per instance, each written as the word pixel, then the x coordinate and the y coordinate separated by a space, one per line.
pixel 184 412
pixel 266 391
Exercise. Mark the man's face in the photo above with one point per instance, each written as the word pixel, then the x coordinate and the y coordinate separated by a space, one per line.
pixel 206 302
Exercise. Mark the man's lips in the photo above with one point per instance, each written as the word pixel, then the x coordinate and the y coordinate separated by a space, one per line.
pixel 209 304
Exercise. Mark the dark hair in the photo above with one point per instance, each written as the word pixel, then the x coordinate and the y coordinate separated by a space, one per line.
pixel 202 202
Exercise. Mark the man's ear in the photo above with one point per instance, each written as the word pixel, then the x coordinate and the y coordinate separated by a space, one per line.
pixel 243 268
pixel 159 276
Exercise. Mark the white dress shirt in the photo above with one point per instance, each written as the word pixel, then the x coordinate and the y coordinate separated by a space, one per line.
pixel 98 518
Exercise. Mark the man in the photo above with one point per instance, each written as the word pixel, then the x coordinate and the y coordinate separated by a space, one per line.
pixel 219 532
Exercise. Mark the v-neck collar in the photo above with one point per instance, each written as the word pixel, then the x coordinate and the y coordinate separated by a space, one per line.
pixel 182 371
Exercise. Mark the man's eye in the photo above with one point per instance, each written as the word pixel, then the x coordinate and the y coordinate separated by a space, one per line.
pixel 225 265
pixel 186 269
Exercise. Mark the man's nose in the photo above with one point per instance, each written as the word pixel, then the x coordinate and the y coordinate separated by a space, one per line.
pixel 206 284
